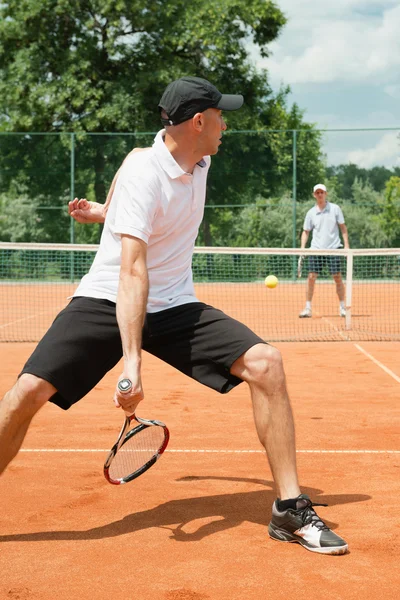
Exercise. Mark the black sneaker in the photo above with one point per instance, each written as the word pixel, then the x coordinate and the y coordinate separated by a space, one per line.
pixel 304 526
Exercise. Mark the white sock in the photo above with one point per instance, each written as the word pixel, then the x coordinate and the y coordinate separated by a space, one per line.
pixel 308 304
pixel 342 305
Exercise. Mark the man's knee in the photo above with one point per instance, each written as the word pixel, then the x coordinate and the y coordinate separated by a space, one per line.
pixel 258 364
pixel 30 393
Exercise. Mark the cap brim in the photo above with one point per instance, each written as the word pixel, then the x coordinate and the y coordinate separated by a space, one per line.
pixel 230 102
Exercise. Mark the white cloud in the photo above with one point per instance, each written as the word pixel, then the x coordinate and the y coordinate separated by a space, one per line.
pixel 342 60
pixel 342 40
pixel 366 148
pixel 386 152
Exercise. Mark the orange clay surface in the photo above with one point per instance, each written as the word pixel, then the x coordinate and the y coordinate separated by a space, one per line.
pixel 194 527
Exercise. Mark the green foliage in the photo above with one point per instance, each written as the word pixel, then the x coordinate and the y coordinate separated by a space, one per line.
pixel 22 221
pixel 364 225
pixel 263 224
pixel 390 216
pixel 345 175
pixel 362 193
pixel 101 66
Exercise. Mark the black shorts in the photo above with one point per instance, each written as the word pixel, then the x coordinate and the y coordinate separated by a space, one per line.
pixel 316 264
pixel 84 343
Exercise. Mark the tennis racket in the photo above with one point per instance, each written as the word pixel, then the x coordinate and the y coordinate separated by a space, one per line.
pixel 140 444
pixel 300 265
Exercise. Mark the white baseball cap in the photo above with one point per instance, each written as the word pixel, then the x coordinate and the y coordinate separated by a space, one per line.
pixel 319 186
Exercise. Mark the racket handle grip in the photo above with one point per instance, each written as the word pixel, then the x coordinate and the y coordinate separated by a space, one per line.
pixel 124 385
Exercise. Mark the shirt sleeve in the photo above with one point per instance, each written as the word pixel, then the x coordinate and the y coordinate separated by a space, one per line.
pixel 137 203
pixel 339 216
pixel 308 224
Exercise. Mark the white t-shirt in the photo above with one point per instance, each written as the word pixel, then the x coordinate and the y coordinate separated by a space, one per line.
pixel 157 202
pixel 324 225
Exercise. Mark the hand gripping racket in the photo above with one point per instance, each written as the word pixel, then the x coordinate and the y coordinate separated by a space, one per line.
pixel 136 449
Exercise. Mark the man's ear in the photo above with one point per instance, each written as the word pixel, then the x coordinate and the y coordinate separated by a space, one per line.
pixel 198 121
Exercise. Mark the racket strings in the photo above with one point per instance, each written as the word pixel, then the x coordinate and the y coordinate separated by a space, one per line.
pixel 136 452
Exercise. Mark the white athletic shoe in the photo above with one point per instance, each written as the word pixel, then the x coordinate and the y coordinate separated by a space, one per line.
pixel 342 311
pixel 306 313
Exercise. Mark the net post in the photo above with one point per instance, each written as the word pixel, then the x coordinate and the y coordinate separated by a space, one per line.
pixel 349 288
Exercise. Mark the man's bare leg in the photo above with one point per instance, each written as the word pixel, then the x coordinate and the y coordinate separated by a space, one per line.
pixel 340 289
pixel 261 367
pixel 17 409
pixel 293 517
pixel 311 279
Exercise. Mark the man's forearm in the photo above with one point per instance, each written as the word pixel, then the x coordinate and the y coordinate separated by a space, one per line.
pixel 132 296
pixel 304 238
pixel 131 310
pixel 345 237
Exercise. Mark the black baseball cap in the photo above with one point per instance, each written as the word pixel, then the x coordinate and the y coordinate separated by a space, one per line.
pixel 187 96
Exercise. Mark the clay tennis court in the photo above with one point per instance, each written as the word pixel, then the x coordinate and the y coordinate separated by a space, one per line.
pixel 194 527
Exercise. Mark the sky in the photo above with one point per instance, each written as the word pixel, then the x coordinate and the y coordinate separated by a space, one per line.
pixel 341 59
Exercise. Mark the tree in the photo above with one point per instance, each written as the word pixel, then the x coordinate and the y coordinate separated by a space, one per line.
pixel 346 175
pixel 390 216
pixel 100 66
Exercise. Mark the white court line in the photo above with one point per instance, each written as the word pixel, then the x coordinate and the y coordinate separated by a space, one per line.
pixel 344 337
pixel 382 366
pixel 201 451
pixel 348 339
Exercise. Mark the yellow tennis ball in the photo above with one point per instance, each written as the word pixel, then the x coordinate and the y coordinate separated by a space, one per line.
pixel 271 281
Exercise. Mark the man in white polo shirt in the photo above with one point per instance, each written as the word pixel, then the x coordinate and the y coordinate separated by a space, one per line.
pixel 139 294
pixel 325 220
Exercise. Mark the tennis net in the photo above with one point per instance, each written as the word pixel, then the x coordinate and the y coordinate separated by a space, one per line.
pixel 37 279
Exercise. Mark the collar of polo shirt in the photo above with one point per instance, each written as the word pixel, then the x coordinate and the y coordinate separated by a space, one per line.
pixel 167 161
pixel 326 208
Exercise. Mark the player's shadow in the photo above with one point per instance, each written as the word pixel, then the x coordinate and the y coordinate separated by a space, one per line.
pixel 223 511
